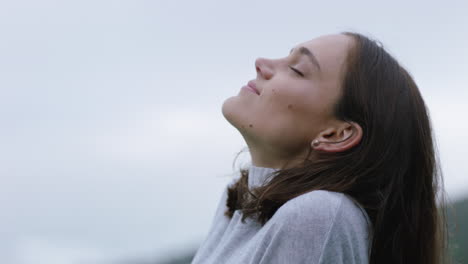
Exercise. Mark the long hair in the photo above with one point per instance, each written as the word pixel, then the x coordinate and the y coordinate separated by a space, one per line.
pixel 393 172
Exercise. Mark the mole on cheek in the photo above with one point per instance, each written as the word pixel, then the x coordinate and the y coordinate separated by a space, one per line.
pixel 290 106
pixel 250 125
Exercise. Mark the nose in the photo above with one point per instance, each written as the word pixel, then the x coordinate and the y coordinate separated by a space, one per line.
pixel 263 68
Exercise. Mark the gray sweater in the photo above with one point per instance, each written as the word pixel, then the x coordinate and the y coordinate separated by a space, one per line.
pixel 316 227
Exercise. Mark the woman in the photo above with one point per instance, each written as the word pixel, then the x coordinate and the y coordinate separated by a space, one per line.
pixel 343 163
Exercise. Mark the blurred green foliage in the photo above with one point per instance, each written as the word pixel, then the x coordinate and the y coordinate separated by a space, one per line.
pixel 458 228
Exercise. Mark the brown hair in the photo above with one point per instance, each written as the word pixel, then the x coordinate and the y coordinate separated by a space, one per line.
pixel 392 173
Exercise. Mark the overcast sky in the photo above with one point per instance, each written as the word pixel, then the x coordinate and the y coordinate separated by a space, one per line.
pixel 112 141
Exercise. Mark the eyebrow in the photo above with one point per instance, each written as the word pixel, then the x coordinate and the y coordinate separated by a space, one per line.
pixel 309 54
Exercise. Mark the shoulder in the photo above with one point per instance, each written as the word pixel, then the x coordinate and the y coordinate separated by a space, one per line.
pixel 321 208
pixel 318 227
pixel 318 203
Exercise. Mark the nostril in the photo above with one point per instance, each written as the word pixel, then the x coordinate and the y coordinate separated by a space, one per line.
pixel 257 64
pixel 262 68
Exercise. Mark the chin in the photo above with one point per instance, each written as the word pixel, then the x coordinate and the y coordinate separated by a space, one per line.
pixel 230 110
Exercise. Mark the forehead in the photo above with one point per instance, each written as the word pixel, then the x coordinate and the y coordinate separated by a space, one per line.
pixel 330 51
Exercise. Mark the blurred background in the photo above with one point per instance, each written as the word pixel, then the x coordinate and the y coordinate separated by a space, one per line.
pixel 113 148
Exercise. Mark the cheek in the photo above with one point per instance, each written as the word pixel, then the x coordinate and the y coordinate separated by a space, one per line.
pixel 299 106
pixel 294 100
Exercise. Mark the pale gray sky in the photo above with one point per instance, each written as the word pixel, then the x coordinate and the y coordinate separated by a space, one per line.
pixel 112 141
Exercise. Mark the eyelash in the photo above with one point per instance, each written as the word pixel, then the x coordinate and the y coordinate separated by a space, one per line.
pixel 296 71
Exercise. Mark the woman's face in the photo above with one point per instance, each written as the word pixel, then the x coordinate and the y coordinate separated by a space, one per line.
pixel 295 100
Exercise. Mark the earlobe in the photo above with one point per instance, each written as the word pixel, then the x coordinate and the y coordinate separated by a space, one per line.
pixel 342 140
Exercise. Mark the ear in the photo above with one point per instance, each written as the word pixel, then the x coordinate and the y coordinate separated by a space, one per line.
pixel 339 138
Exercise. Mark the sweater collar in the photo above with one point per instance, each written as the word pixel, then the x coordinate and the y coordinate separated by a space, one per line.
pixel 257 175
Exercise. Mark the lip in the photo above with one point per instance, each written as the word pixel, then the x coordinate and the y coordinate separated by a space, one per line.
pixel 248 88
pixel 252 85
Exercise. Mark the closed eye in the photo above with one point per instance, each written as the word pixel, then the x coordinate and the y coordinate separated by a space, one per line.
pixel 298 72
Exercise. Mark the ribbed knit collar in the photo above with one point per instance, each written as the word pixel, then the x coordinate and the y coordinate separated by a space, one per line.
pixel 257 175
